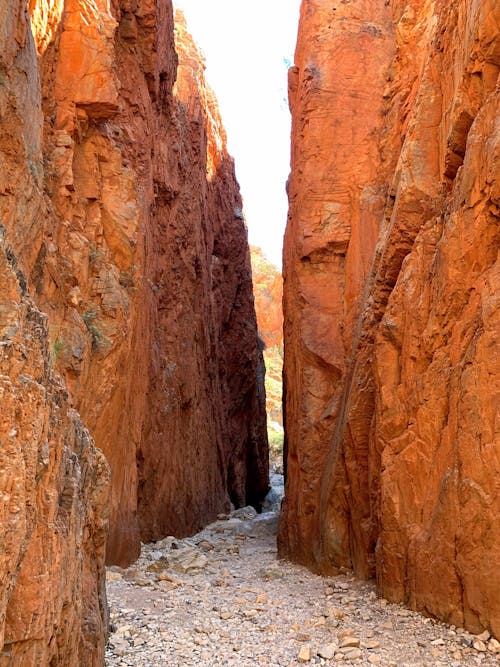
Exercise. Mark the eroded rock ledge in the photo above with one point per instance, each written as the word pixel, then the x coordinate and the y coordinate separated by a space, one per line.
pixel 391 302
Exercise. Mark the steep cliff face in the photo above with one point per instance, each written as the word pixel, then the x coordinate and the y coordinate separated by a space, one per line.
pixel 53 494
pixel 121 204
pixel 391 318
pixel 207 375
pixel 268 292
pixel 53 481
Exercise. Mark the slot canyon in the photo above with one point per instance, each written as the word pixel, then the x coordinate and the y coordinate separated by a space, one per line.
pixel 142 339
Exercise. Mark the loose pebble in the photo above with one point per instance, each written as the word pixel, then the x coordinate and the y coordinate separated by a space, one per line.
pixel 202 602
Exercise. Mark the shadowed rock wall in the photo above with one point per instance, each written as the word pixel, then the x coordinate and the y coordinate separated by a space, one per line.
pixel 125 268
pixel 391 318
pixel 137 251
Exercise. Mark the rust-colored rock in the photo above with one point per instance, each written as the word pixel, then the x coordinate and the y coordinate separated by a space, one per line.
pixel 53 481
pixel 53 494
pixel 130 232
pixel 391 302
pixel 268 294
pixel 123 214
pixel 204 442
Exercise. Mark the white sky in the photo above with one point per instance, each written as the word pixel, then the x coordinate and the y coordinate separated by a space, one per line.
pixel 247 44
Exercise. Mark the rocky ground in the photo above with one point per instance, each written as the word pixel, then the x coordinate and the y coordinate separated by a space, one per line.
pixel 222 598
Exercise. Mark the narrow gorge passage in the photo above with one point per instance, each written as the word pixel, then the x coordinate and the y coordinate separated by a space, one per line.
pixel 221 598
pixel 136 324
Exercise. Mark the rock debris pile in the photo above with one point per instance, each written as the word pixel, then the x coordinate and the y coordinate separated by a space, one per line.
pixel 222 598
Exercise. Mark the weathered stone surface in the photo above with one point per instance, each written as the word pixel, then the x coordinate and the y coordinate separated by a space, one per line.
pixel 53 499
pixel 53 481
pixel 121 203
pixel 207 374
pixel 392 378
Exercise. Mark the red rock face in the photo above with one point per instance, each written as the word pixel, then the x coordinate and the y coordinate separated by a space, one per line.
pixel 391 329
pixel 121 204
pixel 206 372
pixel 53 480
pixel 54 492
pixel 123 220
pixel 143 269
pixel 268 294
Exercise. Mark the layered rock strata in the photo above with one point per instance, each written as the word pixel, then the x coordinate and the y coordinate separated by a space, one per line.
pixel 391 302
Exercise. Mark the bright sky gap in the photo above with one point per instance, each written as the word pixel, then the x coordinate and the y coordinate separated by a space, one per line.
pixel 248 48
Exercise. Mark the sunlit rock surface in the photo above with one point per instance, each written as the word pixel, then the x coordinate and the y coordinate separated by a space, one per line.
pixel 143 269
pixel 391 302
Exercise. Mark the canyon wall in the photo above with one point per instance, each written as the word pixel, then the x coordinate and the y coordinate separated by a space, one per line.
pixel 391 302
pixel 53 481
pixel 268 292
pixel 53 499
pixel 126 309
pixel 138 254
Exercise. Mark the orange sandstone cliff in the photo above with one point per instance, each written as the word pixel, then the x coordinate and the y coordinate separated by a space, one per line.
pixel 268 292
pixel 391 302
pixel 126 309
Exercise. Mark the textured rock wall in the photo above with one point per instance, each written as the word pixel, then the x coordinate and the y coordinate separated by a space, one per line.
pixel 391 302
pixel 122 223
pixel 53 481
pixel 206 384
pixel 53 493
pixel 130 233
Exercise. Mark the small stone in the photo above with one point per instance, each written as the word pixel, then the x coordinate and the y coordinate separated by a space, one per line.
pixel 262 599
pixel 327 652
pixel 166 586
pixel 494 645
pixel 302 637
pixel 304 654
pixel 353 654
pixel 374 659
pixel 438 642
pixel 165 576
pixel 370 645
pixel 345 633
pixel 329 591
pixel 349 642
pixel 484 636
pixel 479 645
